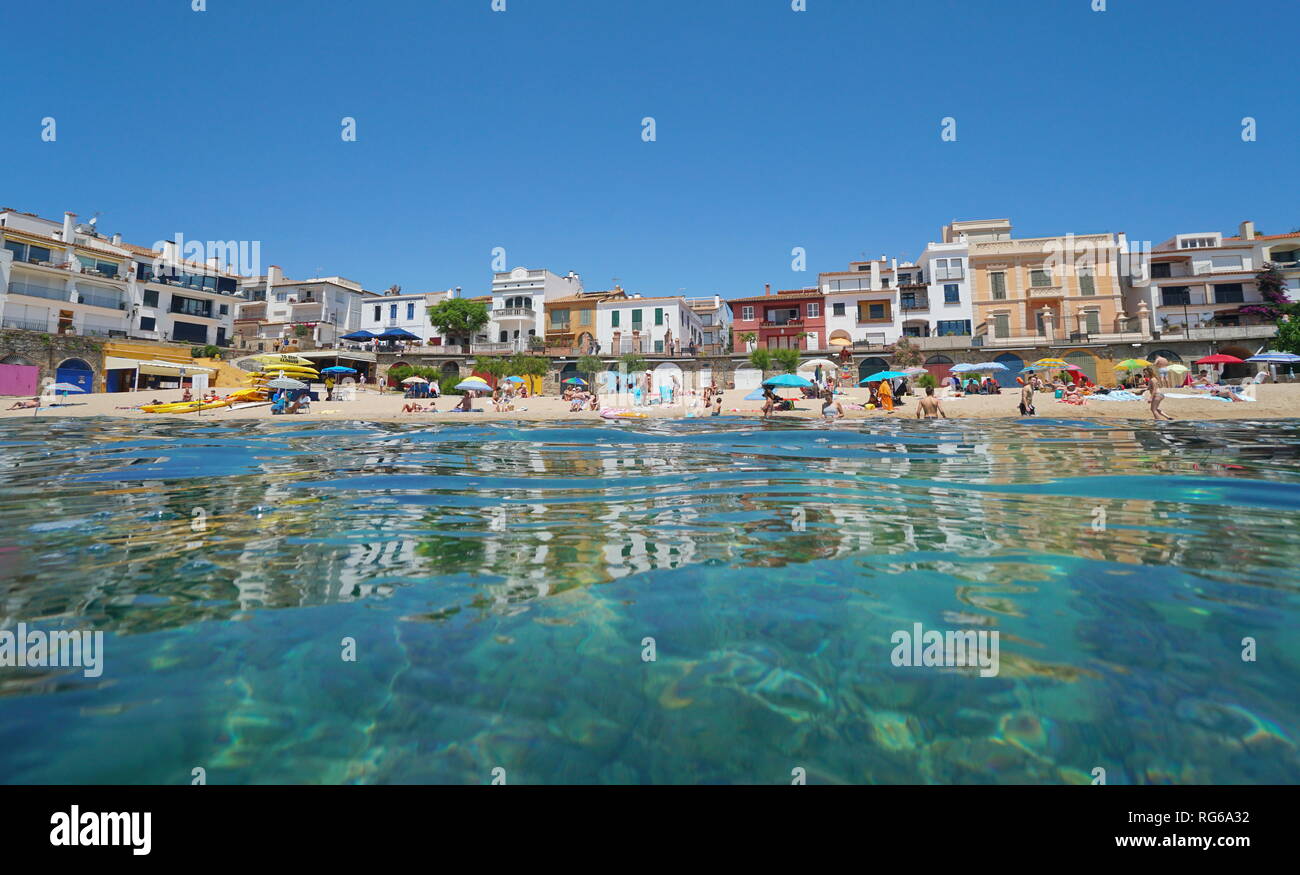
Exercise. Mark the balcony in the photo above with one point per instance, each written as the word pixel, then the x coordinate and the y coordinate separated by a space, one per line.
pixel 93 299
pixel 26 324
pixel 1046 291
pixel 515 313
pixel 912 304
pixel 947 341
pixel 786 323
pixel 1218 332
pixel 186 311
pixel 35 291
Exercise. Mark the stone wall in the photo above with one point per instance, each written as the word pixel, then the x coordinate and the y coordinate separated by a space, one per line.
pixel 47 351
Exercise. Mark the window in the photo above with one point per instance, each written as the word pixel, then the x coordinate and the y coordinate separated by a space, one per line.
pixel 1196 243
pixel 1040 278
pixel 224 309
pixel 559 318
pixel 1092 321
pixel 953 328
pixel 636 319
pixel 1001 325
pixel 150 298
pixel 613 318
pixel 747 313
pixel 1229 293
pixel 837 309
pixel 659 315
pixel 27 252
pixel 191 307
pixel 95 265
pixel 951 294
pixel 850 285
pixel 1161 269
pixel 1225 262
pixel 584 317
pixel 1285 256
pixel 998 285
pixel 904 279
pixel 659 346
pixel 392 311
pixel 226 285
pixel 147 323
pixel 873 311
pixel 1087 285
pixel 1176 296
pixel 947 269
pixel 378 311
pixel 907 300
pixel 814 310
pixel 410 310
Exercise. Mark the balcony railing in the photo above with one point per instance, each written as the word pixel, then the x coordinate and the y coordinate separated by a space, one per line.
pixel 109 302
pixel 1046 291
pixel 1218 332
pixel 35 291
pixel 514 312
pixel 914 304
pixel 776 323
pixel 26 324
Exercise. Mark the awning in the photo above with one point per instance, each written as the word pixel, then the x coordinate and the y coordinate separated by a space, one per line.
pixel 117 363
pixel 169 369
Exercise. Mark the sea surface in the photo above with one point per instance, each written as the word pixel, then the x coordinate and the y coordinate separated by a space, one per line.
pixel 654 602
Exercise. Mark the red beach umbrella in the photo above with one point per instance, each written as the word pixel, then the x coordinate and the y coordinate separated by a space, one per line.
pixel 1218 359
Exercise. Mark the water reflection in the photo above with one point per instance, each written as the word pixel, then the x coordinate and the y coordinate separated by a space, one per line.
pixel 500 579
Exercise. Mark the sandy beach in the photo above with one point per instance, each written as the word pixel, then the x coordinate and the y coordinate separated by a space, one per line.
pixel 1281 401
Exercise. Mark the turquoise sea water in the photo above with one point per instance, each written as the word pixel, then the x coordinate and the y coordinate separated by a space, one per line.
pixel 500 583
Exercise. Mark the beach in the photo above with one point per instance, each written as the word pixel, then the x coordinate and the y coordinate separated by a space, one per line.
pixel 1275 401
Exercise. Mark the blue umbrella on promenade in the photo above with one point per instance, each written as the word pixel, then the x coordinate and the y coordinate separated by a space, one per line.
pixel 338 369
pixel 882 375
pixel 793 381
pixel 360 335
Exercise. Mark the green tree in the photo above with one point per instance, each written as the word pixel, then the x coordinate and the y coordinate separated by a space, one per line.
pixel 591 366
pixel 1288 331
pixel 786 359
pixel 906 355
pixel 492 365
pixel 748 337
pixel 760 358
pixel 459 318
pixel 523 365
pixel 927 381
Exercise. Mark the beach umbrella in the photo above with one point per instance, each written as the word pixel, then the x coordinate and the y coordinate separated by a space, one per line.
pixel 513 380
pixel 917 370
pixel 397 334
pixel 65 387
pixel 1133 365
pixel 1219 359
pixel 409 380
pixel 1050 363
pixel 286 383
pixel 882 375
pixel 473 384
pixel 990 366
pixel 963 368
pixel 1276 358
pixel 1177 369
pixel 338 369
pixel 793 381
pixel 359 335
pixel 576 381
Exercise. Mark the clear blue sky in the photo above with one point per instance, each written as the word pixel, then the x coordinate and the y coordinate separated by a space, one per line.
pixel 522 129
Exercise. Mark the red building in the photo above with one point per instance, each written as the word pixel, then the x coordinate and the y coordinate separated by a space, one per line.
pixel 794 319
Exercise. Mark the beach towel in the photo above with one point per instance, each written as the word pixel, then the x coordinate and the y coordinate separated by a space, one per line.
pixel 1207 397
pixel 1115 396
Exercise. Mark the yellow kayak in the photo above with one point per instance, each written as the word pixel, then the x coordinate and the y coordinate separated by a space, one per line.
pixel 282 359
pixel 185 406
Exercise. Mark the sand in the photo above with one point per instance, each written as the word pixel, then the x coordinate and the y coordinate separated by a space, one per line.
pixel 1281 401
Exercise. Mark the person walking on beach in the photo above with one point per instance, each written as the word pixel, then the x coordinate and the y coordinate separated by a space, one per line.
pixel 1027 399
pixel 930 406
pixel 1157 395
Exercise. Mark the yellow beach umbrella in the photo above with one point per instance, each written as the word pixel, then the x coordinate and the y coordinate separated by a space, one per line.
pixel 1051 363
pixel 1133 365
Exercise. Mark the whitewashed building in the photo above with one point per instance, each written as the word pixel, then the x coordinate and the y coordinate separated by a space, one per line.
pixel 518 308
pixel 409 312
pixel 665 325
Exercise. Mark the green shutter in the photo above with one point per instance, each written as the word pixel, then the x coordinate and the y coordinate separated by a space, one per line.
pixel 659 315
pixel 614 318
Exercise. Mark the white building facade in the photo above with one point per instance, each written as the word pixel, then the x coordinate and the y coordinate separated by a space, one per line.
pixel 666 325
pixel 518 310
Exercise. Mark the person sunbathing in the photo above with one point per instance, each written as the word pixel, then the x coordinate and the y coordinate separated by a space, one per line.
pixel 417 408
pixel 466 404
pixel 19 405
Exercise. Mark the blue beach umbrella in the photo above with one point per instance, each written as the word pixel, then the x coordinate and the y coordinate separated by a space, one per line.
pixel 963 368
pixel 338 369
pixel 989 366
pixel 513 380
pixel 882 375
pixel 360 335
pixel 577 381
pixel 397 334
pixel 1276 358
pixel 793 381
pixel 473 384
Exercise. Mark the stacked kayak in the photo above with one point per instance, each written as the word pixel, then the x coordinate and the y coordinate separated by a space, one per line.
pixel 186 406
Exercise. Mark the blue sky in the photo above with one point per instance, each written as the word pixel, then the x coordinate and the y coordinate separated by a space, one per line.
pixel 522 129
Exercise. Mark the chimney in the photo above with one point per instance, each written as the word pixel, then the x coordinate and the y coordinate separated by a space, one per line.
pixel 1246 230
pixel 717 301
pixel 170 257
pixel 117 239
pixel 767 288
pixel 67 227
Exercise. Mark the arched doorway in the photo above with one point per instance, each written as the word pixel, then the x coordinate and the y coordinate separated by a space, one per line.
pixel 869 366
pixel 939 366
pixel 747 378
pixel 1086 361
pixel 1014 364
pixel 77 372
pixel 1168 354
pixel 1234 372
pixel 16 360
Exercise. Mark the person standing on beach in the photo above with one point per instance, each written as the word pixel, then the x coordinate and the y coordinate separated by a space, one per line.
pixel 769 401
pixel 930 406
pixel 1027 399
pixel 886 396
